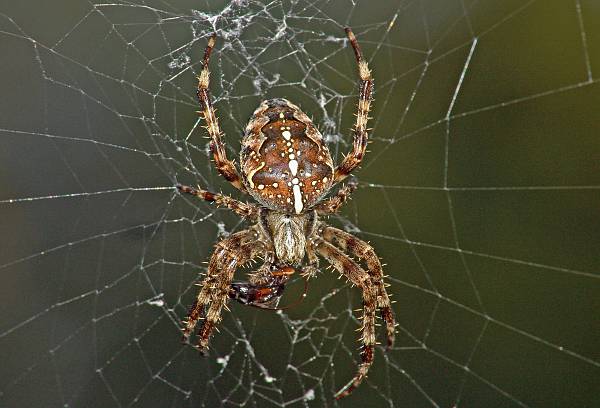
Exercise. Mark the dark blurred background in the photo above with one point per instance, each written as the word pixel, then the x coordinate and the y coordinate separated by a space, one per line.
pixel 481 193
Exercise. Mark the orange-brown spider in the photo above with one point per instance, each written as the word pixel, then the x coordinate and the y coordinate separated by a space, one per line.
pixel 287 168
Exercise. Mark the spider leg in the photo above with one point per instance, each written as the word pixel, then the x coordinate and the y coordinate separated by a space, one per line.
pixel 243 209
pixel 333 204
pixel 353 159
pixel 357 276
pixel 225 166
pixel 263 275
pixel 311 269
pixel 363 251
pixel 229 254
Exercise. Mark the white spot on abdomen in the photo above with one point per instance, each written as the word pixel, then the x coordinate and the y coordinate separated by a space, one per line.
pixel 252 172
pixel 298 206
pixel 286 134
pixel 293 165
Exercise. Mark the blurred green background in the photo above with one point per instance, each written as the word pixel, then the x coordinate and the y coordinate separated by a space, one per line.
pixel 481 193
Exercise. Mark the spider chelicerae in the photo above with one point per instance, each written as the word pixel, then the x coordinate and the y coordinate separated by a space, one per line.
pixel 287 168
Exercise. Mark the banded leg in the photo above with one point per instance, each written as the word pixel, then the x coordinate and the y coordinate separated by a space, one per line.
pixel 333 204
pixel 311 268
pixel 225 166
pixel 355 274
pixel 353 159
pixel 363 251
pixel 243 209
pixel 229 254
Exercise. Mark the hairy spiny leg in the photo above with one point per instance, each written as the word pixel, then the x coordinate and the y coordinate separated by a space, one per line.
pixel 361 137
pixel 225 166
pixel 355 246
pixel 360 278
pixel 229 254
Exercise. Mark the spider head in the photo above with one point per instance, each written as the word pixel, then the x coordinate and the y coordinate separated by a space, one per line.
pixel 286 165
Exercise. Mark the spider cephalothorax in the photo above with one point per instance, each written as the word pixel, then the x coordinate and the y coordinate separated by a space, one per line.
pixel 287 168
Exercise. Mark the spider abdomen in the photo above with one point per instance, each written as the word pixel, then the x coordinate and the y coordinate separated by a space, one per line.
pixel 286 165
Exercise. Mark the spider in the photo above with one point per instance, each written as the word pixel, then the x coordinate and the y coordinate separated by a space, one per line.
pixel 287 168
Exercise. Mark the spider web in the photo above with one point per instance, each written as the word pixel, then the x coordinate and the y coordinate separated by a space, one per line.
pixel 480 192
